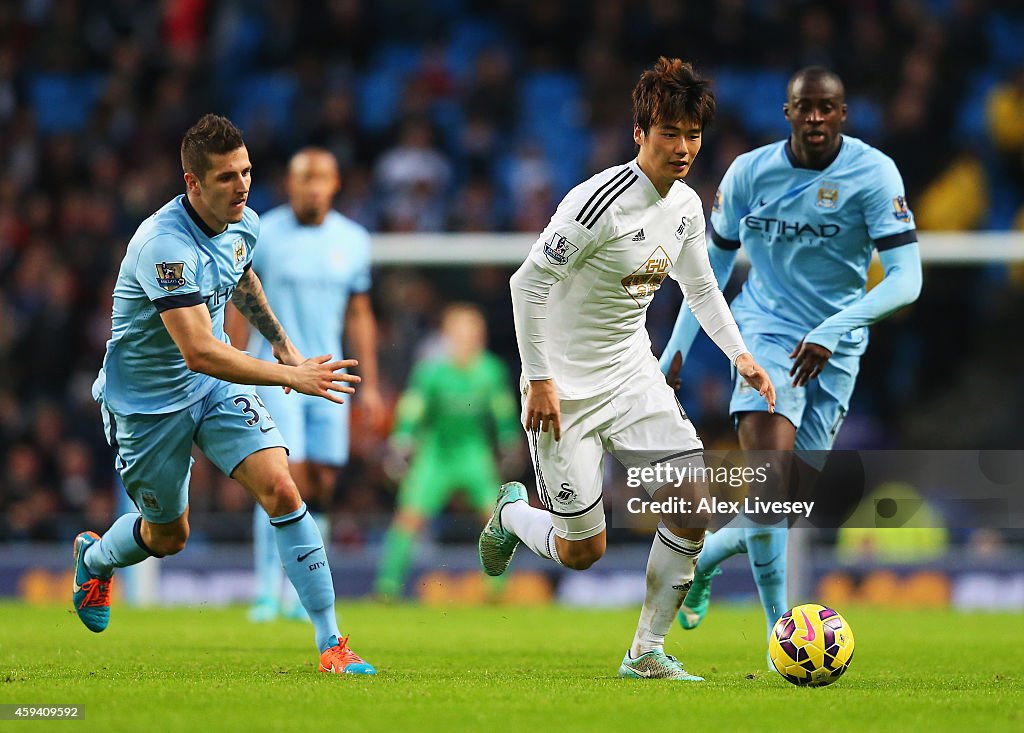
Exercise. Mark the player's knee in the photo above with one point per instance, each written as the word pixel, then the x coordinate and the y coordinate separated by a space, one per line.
pixel 580 555
pixel 172 547
pixel 169 541
pixel 582 561
pixel 280 495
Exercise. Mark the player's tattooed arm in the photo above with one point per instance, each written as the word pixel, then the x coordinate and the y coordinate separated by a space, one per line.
pixel 251 302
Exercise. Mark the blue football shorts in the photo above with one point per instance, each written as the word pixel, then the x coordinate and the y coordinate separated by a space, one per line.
pixel 816 410
pixel 154 452
pixel 316 430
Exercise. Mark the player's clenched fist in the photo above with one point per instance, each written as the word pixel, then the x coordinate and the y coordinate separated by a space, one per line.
pixel 757 378
pixel 319 376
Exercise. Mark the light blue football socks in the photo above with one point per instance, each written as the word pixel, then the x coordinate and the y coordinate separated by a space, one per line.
pixel 266 561
pixel 119 547
pixel 721 545
pixel 766 550
pixel 304 556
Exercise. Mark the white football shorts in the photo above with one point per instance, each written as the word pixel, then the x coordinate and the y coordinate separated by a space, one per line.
pixel 641 424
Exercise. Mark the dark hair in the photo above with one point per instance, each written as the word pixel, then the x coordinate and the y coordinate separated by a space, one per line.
pixel 813 74
pixel 212 135
pixel 670 91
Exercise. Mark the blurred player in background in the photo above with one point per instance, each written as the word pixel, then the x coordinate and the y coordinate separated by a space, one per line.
pixel 809 210
pixel 170 377
pixel 591 383
pixel 456 408
pixel 314 264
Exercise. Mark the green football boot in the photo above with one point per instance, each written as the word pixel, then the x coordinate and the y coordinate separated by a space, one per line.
pixel 695 605
pixel 497 545
pixel 656 665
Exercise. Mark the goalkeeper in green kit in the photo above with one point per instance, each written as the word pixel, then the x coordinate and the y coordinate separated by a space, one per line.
pixel 454 412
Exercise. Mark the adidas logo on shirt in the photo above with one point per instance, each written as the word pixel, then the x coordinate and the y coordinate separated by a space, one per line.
pixel 639 236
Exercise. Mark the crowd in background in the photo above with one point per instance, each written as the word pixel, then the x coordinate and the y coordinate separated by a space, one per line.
pixel 471 116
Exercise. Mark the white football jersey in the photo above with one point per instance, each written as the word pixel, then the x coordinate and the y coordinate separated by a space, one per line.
pixel 581 298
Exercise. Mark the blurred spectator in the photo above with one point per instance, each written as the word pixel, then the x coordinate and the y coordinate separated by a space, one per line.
pixel 1005 110
pixel 531 188
pixel 957 200
pixel 475 207
pixel 413 177
pixel 986 543
pixel 491 92
pixel 818 39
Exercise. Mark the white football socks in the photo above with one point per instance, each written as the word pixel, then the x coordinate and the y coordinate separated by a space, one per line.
pixel 533 528
pixel 669 574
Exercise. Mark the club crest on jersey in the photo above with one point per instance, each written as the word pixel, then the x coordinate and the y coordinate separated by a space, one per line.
pixel 168 275
pixel 899 208
pixel 716 206
pixel 643 282
pixel 558 249
pixel 239 251
pixel 681 231
pixel 150 501
pixel 828 195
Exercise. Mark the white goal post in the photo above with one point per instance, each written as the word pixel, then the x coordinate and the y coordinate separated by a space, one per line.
pixel 937 248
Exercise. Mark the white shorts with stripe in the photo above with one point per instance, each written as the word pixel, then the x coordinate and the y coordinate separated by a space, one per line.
pixel 641 424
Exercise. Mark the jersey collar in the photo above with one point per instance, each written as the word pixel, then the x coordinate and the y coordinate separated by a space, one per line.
pixel 796 164
pixel 648 185
pixel 196 219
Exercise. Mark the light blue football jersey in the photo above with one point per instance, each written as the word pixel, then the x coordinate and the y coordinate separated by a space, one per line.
pixel 172 262
pixel 308 274
pixel 809 234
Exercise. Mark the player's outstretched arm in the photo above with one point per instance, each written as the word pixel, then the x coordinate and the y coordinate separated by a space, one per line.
pixel 361 329
pixel 757 378
pixel 320 377
pixel 697 279
pixel 900 286
pixel 251 302
pixel 192 331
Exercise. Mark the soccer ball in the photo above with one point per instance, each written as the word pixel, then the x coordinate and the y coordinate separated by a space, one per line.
pixel 811 645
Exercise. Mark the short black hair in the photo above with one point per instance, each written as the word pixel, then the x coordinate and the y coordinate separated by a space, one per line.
pixel 816 73
pixel 669 91
pixel 212 135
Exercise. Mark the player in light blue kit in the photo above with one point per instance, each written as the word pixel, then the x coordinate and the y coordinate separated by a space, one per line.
pixel 809 211
pixel 170 378
pixel 314 264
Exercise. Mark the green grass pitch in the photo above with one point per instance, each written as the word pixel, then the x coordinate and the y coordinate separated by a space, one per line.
pixel 500 668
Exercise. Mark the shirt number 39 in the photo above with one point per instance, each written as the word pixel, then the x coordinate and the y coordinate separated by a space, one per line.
pixel 252 415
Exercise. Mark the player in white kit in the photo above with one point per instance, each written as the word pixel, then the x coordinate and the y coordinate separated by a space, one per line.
pixel 590 381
